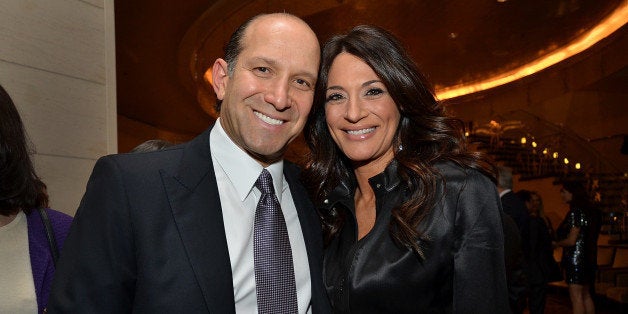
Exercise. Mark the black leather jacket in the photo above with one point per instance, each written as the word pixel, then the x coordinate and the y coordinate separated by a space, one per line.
pixel 463 270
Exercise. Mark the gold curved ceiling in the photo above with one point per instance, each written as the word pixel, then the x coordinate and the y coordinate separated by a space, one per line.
pixel 164 47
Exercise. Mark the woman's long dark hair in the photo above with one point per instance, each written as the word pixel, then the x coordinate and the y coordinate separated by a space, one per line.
pixel 20 187
pixel 579 195
pixel 425 134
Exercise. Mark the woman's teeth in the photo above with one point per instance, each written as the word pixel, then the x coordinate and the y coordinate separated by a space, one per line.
pixel 362 131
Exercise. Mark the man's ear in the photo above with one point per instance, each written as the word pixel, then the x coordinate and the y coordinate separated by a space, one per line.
pixel 219 77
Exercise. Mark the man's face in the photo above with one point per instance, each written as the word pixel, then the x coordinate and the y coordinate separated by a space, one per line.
pixel 268 96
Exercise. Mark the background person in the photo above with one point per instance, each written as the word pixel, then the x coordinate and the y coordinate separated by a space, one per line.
pixel 517 247
pixel 513 205
pixel 411 218
pixel 25 254
pixel 173 231
pixel 577 234
pixel 150 146
pixel 541 265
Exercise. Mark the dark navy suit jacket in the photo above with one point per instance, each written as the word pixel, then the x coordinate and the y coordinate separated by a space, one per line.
pixel 149 237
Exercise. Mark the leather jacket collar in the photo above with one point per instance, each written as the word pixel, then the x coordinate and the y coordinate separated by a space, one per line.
pixel 382 183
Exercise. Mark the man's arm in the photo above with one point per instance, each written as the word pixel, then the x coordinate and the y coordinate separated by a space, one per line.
pixel 96 271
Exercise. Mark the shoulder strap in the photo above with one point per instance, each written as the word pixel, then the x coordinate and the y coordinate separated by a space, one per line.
pixel 50 235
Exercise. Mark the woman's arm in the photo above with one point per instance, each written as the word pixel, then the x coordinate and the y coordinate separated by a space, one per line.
pixel 571 238
pixel 479 270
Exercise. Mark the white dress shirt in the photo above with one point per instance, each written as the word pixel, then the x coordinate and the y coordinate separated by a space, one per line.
pixel 236 173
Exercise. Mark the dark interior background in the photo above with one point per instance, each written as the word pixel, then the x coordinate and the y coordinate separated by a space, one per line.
pixel 577 105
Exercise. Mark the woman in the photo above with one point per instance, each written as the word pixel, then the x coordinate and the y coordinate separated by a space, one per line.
pixel 577 234
pixel 536 208
pixel 412 220
pixel 25 255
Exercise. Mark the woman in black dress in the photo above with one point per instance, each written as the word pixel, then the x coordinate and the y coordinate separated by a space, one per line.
pixel 577 234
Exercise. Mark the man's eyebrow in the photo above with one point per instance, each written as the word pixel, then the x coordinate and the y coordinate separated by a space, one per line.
pixel 265 60
pixel 274 63
pixel 310 76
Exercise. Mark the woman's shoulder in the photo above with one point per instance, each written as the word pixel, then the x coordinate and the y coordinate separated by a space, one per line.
pixel 60 223
pixel 58 220
pixel 57 217
pixel 454 173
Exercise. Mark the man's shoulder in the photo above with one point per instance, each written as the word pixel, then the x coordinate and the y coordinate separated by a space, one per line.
pixel 146 160
pixel 171 156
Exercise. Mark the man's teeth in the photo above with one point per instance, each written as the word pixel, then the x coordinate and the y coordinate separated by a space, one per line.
pixel 363 131
pixel 268 119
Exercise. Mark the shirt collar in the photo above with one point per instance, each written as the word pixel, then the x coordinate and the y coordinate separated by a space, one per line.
pixel 240 168
pixel 504 192
pixel 384 182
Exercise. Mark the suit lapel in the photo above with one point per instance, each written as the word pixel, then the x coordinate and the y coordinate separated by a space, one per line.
pixel 195 204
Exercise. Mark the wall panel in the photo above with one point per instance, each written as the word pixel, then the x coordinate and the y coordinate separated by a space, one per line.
pixel 60 36
pixel 57 61
pixel 66 178
pixel 64 116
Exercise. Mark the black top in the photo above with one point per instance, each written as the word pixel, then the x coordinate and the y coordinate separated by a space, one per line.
pixel 463 270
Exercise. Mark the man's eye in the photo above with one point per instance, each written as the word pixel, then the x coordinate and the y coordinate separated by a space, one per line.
pixel 303 82
pixel 262 69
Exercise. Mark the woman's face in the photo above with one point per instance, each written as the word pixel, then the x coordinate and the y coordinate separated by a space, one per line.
pixel 360 113
pixel 565 195
pixel 535 203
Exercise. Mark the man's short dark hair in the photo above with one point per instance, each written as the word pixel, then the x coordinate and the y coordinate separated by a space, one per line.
pixel 233 48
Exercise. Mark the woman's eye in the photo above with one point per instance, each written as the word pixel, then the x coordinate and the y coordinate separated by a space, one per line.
pixel 374 91
pixel 333 97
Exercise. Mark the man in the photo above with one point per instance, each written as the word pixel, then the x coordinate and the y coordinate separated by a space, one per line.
pixel 516 222
pixel 173 231
pixel 513 206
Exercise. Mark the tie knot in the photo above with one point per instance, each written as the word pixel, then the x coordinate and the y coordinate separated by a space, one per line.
pixel 265 183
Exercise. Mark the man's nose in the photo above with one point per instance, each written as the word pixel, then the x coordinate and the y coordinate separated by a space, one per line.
pixel 278 95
